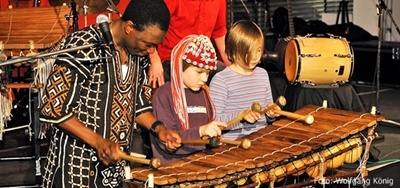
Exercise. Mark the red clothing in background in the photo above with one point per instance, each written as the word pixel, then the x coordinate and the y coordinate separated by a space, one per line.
pixel 193 17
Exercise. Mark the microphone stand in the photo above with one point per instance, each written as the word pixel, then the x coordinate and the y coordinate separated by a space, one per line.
pixel 380 7
pixel 28 58
pixel 74 17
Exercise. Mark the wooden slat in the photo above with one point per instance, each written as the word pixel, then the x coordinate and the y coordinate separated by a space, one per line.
pixel 45 26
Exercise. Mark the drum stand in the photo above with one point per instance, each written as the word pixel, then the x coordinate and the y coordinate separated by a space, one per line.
pixel 344 11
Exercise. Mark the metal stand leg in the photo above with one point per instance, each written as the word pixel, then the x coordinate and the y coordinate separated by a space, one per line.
pixel 33 131
pixel 344 11
pixel 36 141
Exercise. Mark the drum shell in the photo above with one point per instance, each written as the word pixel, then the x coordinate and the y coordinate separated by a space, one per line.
pixel 318 61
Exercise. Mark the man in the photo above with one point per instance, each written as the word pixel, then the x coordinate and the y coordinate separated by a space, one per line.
pixel 93 98
pixel 189 17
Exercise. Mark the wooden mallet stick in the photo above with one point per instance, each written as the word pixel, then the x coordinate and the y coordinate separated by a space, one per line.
pixel 309 119
pixel 254 107
pixel 153 162
pixel 213 141
pixel 280 101
pixel 201 142
pixel 245 143
pixel 23 85
pixel 216 141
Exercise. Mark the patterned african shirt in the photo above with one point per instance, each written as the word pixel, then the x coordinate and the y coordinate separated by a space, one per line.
pixel 90 85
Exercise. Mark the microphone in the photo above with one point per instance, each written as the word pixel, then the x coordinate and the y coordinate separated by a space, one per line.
pixel 102 21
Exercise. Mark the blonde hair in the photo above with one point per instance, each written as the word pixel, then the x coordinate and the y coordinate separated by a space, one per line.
pixel 243 40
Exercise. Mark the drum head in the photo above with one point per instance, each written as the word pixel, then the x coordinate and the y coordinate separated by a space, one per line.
pixel 291 61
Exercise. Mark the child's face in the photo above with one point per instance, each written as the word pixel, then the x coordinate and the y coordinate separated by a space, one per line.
pixel 195 77
pixel 253 63
pixel 256 58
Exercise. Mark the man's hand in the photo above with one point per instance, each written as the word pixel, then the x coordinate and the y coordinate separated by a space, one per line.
pixel 156 71
pixel 107 151
pixel 171 138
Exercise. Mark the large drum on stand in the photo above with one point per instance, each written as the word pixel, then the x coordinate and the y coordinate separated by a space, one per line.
pixel 318 61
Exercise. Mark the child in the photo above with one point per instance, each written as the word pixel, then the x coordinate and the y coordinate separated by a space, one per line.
pixel 237 87
pixel 184 104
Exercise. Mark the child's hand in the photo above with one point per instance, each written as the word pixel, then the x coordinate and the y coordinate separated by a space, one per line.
pixel 271 113
pixel 211 129
pixel 252 117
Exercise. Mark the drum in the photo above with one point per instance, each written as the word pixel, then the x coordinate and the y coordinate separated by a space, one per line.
pixel 284 148
pixel 318 61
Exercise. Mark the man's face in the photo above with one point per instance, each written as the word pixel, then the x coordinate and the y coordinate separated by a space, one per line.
pixel 144 42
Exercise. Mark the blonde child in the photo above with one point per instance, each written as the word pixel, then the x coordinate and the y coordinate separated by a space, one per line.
pixel 237 87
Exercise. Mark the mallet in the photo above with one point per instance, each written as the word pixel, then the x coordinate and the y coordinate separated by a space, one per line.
pixel 153 162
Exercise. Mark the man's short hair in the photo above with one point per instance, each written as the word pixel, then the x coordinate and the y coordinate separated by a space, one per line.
pixel 146 13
